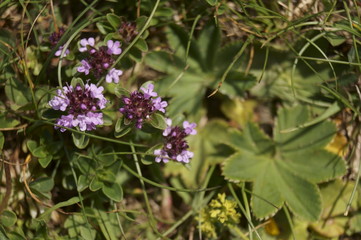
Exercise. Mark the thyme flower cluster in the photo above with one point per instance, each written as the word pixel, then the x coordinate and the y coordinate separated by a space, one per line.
pixel 54 39
pixel 99 60
pixel 81 104
pixel 140 105
pixel 176 147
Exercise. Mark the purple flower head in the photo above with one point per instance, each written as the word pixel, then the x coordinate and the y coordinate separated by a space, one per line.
pixel 140 105
pixel 175 146
pixel 55 36
pixel 148 91
pixel 54 39
pixel 114 47
pixel 60 49
pixel 128 31
pixel 85 67
pixel 84 43
pixel 100 59
pixel 81 104
pixel 113 75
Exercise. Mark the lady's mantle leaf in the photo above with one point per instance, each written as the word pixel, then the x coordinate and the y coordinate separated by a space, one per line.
pixel 287 169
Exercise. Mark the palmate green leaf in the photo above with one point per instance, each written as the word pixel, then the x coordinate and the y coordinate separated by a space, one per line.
pixel 237 83
pixel 287 169
pixel 302 139
pixel 178 41
pixel 209 42
pixel 164 62
pixel 315 165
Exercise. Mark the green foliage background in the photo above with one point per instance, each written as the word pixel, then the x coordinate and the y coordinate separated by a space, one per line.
pixel 272 85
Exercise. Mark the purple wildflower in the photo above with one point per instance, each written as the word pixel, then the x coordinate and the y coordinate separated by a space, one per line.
pixel 114 47
pixel 86 42
pixel 81 104
pixel 55 36
pixel 100 59
pixel 176 146
pixel 139 106
pixel 113 74
pixel 60 49
pixel 85 67
pixel 54 39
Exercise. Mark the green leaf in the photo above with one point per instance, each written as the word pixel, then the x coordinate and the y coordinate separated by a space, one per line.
pixel 32 145
pixel 315 136
pixel 113 191
pixel 142 45
pixel 164 62
pixel 158 121
pixel 106 176
pixel 80 140
pixel 44 161
pixel 17 92
pixel 8 218
pixel 121 129
pixel 120 91
pixel 2 140
pixel 287 169
pixel 78 228
pixel 86 166
pixel 77 81
pixel 42 186
pixel 106 156
pixel 212 2
pixel 7 122
pixel 209 43
pixel 236 84
pixel 304 164
pixel 95 184
pixel 40 152
pixel 83 182
pixel 136 54
pixel 108 224
pixel 178 40
pixel 114 20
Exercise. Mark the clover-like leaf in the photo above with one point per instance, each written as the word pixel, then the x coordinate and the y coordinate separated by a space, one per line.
pixel 286 169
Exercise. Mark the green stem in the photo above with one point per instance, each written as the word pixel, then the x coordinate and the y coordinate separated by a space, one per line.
pixel 178 223
pixel 83 133
pixel 289 219
pixel 79 195
pixel 245 200
pixel 243 210
pixel 152 221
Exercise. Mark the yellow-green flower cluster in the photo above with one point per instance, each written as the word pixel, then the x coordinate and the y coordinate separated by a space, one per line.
pixel 220 211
